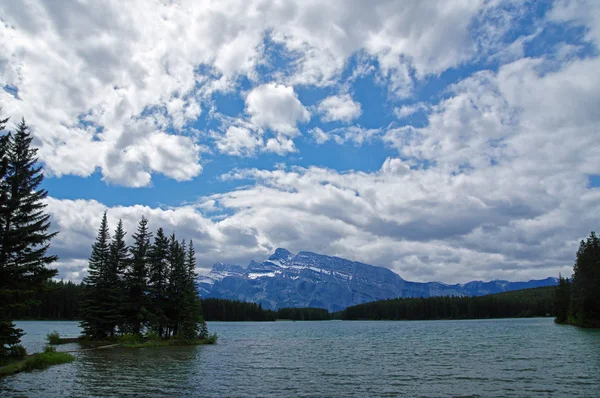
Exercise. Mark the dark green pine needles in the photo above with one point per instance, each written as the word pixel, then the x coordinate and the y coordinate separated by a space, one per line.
pixel 24 230
pixel 146 288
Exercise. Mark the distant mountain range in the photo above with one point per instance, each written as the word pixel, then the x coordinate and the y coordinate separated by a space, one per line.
pixel 315 280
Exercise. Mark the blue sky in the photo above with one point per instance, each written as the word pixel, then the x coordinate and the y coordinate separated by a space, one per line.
pixel 447 141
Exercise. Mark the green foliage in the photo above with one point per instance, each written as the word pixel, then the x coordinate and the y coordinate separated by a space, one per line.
pixel 585 290
pixel 303 314
pixel 37 361
pixel 211 339
pixel 214 309
pixel 158 282
pixel 131 338
pixel 94 320
pixel 24 226
pixel 114 314
pixel 138 306
pixel 142 288
pixel 49 348
pixel 561 300
pixel 53 337
pixel 17 351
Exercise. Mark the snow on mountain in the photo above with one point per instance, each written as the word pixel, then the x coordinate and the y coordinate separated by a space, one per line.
pixel 315 280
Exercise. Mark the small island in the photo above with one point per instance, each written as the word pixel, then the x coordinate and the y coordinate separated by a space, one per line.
pixel 142 295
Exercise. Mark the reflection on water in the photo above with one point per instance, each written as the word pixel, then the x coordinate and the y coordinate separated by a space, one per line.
pixel 531 357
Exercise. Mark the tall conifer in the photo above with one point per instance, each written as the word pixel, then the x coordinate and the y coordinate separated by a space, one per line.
pixel 24 229
pixel 138 305
pixel 158 281
pixel 118 262
pixel 93 313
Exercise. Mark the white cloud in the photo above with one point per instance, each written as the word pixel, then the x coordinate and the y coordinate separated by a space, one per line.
pixel 109 65
pixel 355 134
pixel 239 141
pixel 276 107
pixel 408 110
pixel 339 108
pixel 395 166
pixel 319 135
pixel 494 185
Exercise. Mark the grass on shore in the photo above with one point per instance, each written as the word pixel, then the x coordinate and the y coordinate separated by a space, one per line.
pixel 42 360
pixel 130 341
pixel 145 343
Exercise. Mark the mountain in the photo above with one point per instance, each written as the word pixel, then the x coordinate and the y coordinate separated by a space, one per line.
pixel 315 280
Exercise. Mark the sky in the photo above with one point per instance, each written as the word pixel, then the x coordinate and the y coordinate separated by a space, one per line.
pixel 446 140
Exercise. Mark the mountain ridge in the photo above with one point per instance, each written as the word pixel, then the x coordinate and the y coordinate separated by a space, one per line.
pixel 308 279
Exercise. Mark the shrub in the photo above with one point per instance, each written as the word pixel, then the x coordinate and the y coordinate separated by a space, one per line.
pixel 42 361
pixel 131 338
pixel 53 337
pixel 211 339
pixel 17 351
pixel 152 336
pixel 48 348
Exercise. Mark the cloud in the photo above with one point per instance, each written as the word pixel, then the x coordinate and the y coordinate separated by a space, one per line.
pixel 354 134
pixel 339 108
pixel 276 107
pixel 494 183
pixel 239 141
pixel 82 95
pixel 408 110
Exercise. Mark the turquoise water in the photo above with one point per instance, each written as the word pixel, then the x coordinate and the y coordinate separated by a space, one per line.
pixel 488 358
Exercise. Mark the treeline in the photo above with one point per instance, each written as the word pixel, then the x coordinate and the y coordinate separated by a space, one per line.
pixel 58 301
pixel 304 314
pixel 515 304
pixel 62 300
pixel 145 288
pixel 577 301
pixel 215 309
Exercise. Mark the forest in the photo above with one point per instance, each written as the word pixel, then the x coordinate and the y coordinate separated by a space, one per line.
pixel 577 299
pixel 61 301
pixel 514 304
pixel 146 289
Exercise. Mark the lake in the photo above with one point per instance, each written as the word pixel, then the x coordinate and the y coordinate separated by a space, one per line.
pixel 505 357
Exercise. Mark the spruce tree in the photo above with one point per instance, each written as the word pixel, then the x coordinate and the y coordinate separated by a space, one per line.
pixel 139 305
pixel 117 263
pixel 24 226
pixel 93 312
pixel 585 292
pixel 158 282
pixel 561 300
pixel 192 324
pixel 174 288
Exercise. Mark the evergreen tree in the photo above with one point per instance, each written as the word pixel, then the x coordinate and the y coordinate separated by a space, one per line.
pixel 93 312
pixel 177 278
pixel 158 282
pixel 138 306
pixel 192 323
pixel 117 263
pixel 561 300
pixel 585 292
pixel 24 226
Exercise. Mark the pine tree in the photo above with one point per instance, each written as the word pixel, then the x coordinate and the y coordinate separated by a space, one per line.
pixel 561 300
pixel 139 304
pixel 192 324
pixel 158 282
pixel 24 226
pixel 117 263
pixel 93 313
pixel 177 275
pixel 585 292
